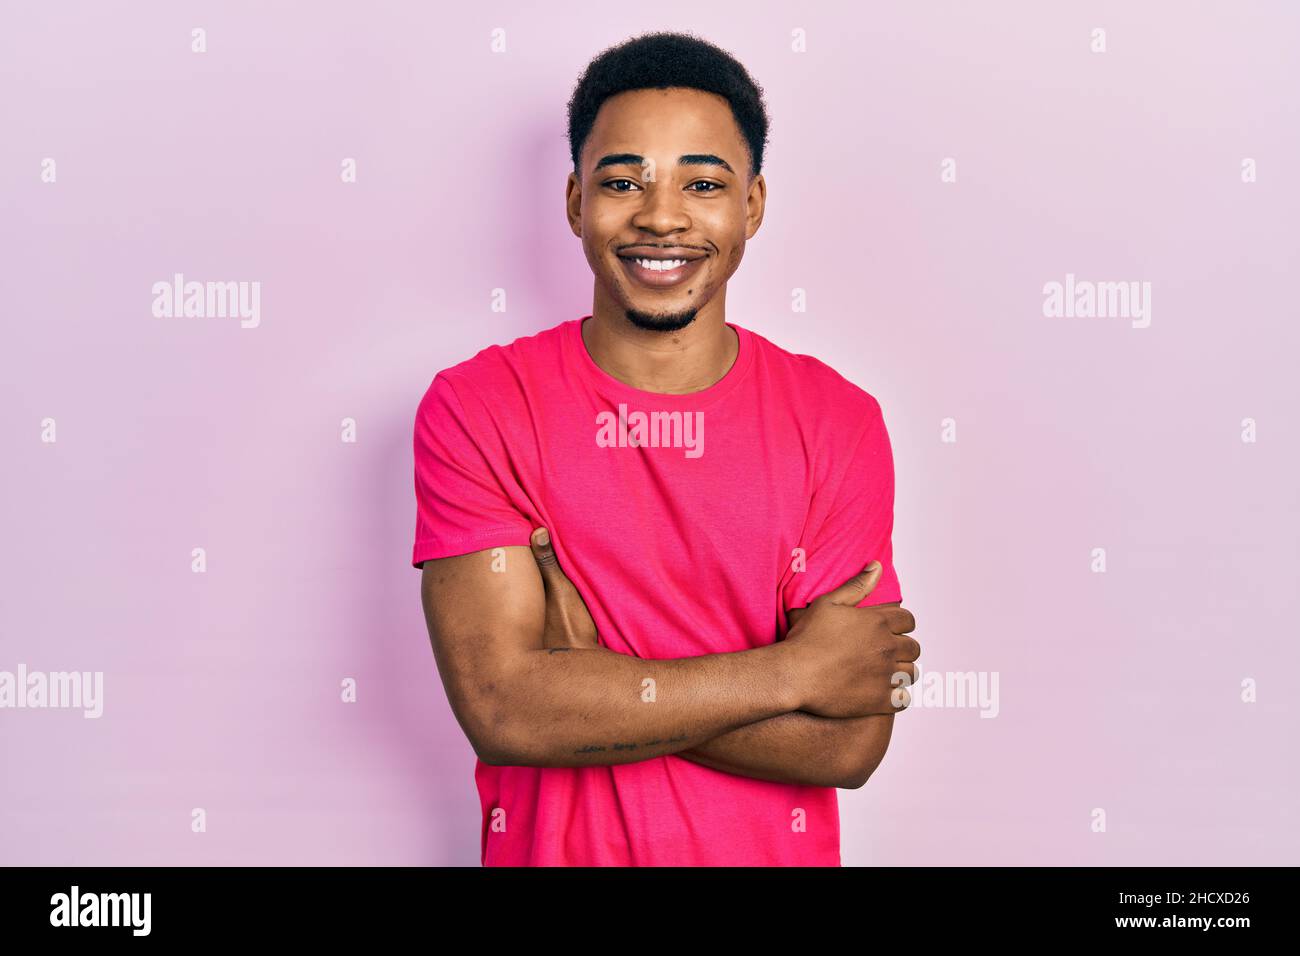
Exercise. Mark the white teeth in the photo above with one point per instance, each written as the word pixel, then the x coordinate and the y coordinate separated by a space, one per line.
pixel 660 265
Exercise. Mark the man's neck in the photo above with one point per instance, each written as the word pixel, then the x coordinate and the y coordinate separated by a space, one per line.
pixel 672 363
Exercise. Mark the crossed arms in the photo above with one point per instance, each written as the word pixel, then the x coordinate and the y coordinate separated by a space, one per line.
pixel 530 686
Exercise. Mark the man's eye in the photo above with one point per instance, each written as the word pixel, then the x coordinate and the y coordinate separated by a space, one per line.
pixel 613 184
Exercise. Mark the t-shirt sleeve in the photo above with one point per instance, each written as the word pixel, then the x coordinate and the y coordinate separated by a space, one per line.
pixel 851 522
pixel 461 503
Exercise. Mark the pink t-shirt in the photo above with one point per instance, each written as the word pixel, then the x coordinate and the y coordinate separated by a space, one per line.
pixel 680 531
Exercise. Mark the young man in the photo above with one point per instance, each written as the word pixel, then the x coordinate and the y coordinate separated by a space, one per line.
pixel 621 516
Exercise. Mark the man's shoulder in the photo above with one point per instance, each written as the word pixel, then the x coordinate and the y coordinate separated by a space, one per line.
pixel 497 371
pixel 814 384
pixel 491 360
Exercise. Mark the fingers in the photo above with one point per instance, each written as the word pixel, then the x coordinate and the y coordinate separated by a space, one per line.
pixel 568 622
pixel 900 619
pixel 909 648
pixel 544 553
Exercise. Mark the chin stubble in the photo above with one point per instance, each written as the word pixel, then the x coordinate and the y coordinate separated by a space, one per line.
pixel 661 323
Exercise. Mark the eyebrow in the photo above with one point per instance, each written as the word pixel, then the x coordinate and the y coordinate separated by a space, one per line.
pixel 690 159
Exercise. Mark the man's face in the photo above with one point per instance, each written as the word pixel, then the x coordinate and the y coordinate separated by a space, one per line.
pixel 662 234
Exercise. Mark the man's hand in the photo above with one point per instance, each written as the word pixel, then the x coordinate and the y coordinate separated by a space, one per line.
pixel 568 622
pixel 851 655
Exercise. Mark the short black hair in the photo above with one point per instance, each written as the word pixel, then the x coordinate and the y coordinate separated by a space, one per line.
pixel 662 60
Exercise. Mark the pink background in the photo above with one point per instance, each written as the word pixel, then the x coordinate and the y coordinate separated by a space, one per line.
pixel 1118 691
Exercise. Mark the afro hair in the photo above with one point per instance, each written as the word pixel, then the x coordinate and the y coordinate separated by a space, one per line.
pixel 662 60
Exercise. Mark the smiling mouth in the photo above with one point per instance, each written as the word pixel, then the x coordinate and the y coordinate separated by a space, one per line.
pixel 659 273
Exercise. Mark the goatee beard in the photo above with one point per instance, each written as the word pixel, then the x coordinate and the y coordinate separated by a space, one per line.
pixel 661 323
